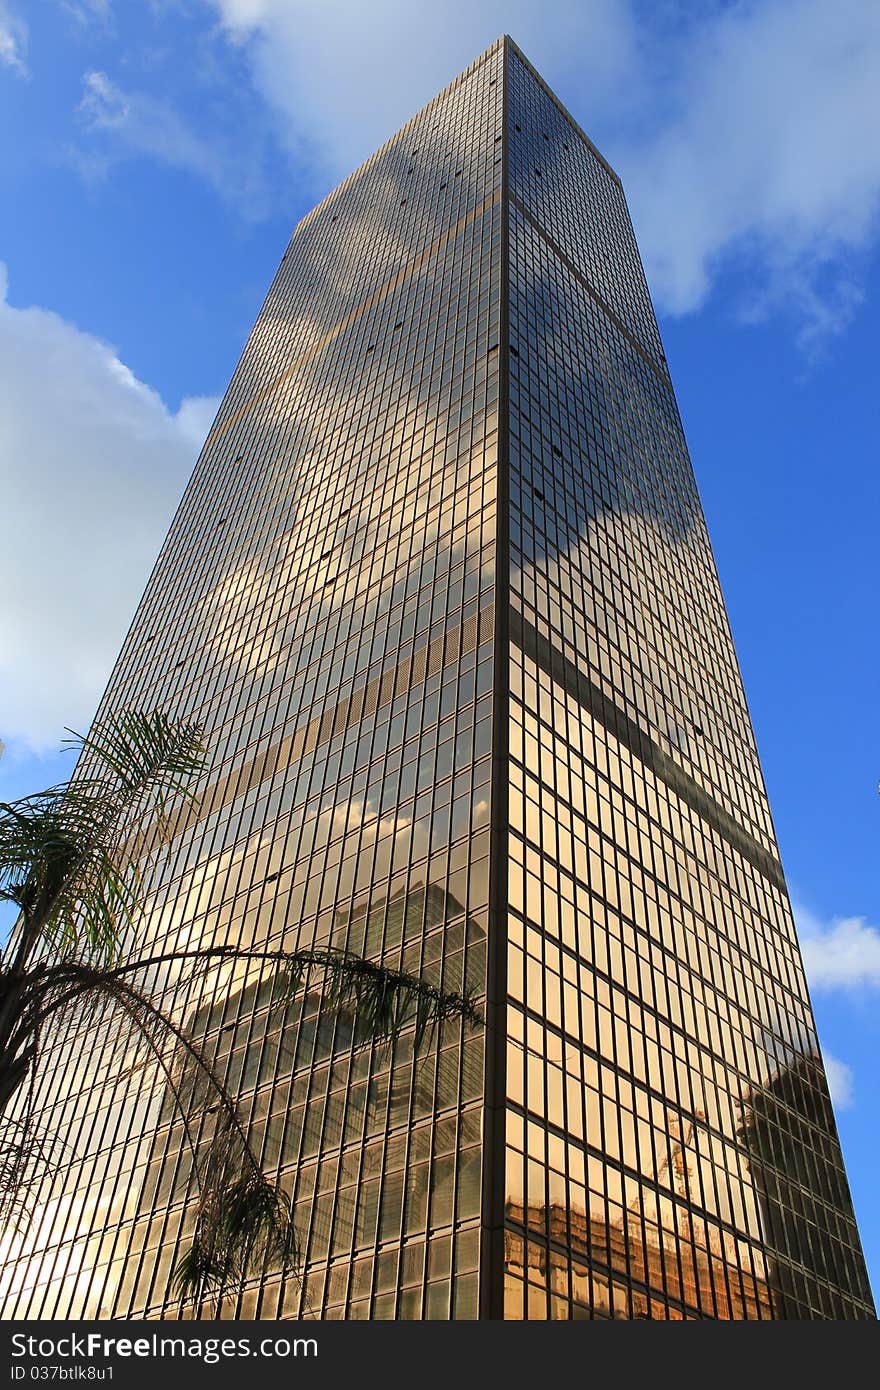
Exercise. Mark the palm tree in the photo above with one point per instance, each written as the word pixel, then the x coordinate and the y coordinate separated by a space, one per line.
pixel 69 861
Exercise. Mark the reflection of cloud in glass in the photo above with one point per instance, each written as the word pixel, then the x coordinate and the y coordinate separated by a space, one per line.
pixel 331 572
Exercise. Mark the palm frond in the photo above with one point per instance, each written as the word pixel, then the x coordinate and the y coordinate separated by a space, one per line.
pixel 27 1146
pixel 384 1002
pixel 243 1221
pixel 142 753
pixel 199 1271
pixel 28 1150
pixel 243 1225
pixel 65 854
pixel 68 859
pixel 37 847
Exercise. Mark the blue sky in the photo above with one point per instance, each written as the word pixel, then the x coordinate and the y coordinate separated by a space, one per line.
pixel 155 157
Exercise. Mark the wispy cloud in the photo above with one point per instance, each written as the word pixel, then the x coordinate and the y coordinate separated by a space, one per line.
pixel 13 40
pixel 91 463
pixel 743 132
pixel 87 11
pixel 342 76
pixel 135 123
pixel 195 418
pixel 763 161
pixel 123 124
pixel 843 954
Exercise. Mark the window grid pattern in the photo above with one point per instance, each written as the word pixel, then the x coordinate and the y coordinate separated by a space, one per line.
pixel 324 604
pixel 335 602
pixel 671 1148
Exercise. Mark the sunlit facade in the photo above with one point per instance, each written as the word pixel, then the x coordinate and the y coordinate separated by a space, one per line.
pixel 441 591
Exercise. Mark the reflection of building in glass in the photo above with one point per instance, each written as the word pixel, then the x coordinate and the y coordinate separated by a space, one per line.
pixel 602 1271
pixel 278 1069
pixel 789 1132
pixel 652 969
pixel 441 590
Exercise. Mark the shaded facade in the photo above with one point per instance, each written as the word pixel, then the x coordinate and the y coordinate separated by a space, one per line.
pixel 441 590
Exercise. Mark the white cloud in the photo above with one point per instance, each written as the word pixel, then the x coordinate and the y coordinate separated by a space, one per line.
pixel 91 463
pixel 841 954
pixel 744 133
pixel 841 1082
pixel 13 40
pixel 342 76
pixel 195 417
pixel 766 155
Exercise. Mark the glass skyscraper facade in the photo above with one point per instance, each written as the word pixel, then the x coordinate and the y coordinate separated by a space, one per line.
pixel 441 591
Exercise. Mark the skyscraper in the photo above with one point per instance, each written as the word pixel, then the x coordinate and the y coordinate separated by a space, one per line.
pixel 441 590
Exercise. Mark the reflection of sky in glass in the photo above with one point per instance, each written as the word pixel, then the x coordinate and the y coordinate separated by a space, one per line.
pixel 324 602
pixel 670 1145
pixel 331 601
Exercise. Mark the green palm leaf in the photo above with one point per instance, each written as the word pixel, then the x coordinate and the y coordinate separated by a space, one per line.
pixel 66 855
pixel 69 861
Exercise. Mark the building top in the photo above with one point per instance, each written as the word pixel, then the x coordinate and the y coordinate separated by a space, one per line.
pixel 504 41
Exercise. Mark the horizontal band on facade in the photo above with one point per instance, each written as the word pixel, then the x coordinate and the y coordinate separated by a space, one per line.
pixel 591 698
